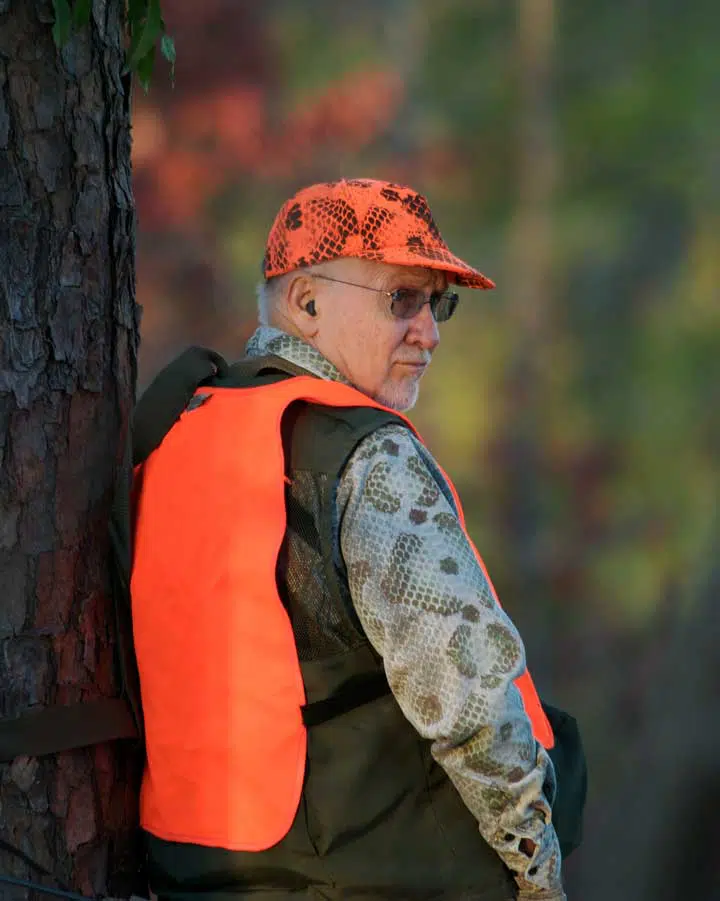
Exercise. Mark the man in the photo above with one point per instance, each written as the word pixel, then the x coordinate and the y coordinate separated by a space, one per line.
pixel 442 788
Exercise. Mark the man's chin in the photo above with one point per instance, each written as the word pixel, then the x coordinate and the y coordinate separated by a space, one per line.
pixel 401 397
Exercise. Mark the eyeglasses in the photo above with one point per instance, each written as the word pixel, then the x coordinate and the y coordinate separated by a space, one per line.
pixel 407 302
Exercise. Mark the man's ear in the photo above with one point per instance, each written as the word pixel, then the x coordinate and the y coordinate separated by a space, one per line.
pixel 302 304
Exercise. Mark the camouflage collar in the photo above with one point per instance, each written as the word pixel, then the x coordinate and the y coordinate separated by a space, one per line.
pixel 269 340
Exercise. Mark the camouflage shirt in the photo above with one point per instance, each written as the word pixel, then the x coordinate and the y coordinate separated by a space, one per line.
pixel 450 653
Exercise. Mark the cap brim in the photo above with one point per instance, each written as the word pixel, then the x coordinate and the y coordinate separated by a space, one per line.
pixel 458 271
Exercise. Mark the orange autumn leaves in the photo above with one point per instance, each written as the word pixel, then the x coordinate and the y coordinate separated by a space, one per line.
pixel 183 155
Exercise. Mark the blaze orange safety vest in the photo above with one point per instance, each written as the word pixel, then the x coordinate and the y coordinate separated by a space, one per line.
pixel 221 684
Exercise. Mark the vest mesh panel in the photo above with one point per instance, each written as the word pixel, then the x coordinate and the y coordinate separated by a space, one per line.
pixel 321 624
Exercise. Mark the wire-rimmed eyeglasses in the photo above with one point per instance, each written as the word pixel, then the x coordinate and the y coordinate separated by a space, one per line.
pixel 407 302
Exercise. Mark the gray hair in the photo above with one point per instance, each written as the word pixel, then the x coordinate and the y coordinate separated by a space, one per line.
pixel 271 291
pixel 263 291
pixel 268 294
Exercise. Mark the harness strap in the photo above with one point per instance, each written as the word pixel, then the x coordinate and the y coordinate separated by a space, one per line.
pixel 54 729
pixel 163 402
pixel 355 693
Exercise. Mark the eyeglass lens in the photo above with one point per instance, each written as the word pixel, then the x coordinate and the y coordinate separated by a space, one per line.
pixel 407 302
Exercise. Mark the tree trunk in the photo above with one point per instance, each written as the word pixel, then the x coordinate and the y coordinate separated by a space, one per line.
pixel 68 348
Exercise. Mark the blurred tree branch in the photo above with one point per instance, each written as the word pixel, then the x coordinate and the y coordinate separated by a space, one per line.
pixel 528 290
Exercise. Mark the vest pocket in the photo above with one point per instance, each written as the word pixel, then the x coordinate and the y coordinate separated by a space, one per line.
pixel 384 815
pixel 364 771
pixel 380 813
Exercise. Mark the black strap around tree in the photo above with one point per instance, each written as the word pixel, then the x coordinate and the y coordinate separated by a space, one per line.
pixel 54 729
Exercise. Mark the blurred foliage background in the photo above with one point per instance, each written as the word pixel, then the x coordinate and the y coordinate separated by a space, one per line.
pixel 571 150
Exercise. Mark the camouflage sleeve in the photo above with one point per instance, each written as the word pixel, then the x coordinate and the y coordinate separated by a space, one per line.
pixel 450 653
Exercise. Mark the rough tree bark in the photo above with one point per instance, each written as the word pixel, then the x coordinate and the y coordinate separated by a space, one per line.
pixel 68 347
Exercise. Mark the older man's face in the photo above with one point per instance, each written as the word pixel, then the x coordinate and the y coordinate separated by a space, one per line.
pixel 382 355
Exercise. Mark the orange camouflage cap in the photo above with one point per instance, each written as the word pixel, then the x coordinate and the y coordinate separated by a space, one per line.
pixel 365 218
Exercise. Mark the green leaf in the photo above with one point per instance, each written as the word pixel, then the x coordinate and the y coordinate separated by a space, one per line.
pixel 63 22
pixel 145 68
pixel 145 36
pixel 167 47
pixel 81 13
pixel 136 12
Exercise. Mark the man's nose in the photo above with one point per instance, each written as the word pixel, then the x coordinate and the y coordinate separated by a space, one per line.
pixel 424 330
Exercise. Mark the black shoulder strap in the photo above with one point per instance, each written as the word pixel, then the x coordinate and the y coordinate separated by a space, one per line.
pixel 163 402
pixel 168 394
